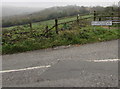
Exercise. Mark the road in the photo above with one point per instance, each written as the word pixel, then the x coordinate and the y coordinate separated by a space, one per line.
pixel 89 65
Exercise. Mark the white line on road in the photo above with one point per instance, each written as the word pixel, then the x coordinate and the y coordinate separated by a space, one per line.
pixel 30 68
pixel 105 60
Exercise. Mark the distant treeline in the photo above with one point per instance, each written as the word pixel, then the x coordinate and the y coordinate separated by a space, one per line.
pixel 54 12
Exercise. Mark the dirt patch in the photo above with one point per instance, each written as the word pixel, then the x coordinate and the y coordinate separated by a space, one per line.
pixel 108 27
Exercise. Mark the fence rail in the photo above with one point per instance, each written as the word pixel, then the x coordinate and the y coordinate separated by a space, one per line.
pixel 55 26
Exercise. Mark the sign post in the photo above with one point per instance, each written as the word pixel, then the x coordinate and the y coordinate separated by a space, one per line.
pixel 101 23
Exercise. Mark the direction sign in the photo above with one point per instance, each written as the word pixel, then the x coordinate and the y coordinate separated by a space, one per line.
pixel 100 23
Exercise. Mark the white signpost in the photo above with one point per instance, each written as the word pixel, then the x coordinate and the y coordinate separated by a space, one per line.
pixel 101 23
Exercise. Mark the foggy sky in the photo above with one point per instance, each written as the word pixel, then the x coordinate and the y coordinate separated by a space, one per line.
pixel 59 0
pixel 51 3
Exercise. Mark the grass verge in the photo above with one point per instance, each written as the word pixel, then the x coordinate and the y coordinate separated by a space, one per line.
pixel 75 36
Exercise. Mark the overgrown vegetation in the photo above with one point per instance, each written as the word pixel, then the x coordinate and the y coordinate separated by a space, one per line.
pixel 74 36
pixel 23 38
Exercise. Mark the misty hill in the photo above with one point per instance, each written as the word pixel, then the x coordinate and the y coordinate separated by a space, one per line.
pixel 46 14
pixel 57 12
pixel 51 13
pixel 11 10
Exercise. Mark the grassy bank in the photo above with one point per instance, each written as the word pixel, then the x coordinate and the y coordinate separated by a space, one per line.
pixel 75 36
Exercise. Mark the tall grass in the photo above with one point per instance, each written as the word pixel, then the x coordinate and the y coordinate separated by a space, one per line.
pixel 74 36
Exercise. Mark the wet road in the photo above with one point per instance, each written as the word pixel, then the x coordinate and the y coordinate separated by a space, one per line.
pixel 71 66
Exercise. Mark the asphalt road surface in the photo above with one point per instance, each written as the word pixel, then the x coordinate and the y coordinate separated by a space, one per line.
pixel 89 65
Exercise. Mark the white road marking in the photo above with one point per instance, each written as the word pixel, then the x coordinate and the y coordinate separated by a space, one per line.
pixel 30 68
pixel 105 60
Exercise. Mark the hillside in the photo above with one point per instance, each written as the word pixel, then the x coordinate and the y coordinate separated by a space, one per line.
pixel 53 13
pixel 46 14
pixel 12 10
pixel 40 35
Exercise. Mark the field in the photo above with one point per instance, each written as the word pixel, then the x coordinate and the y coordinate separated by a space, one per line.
pixel 23 38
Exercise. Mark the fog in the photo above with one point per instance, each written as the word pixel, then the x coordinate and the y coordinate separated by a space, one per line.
pixel 16 7
pixel 51 3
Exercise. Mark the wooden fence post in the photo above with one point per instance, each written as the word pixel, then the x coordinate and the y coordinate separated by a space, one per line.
pixel 94 15
pixel 77 19
pixel 56 26
pixel 30 25
pixel 112 14
pixel 46 30
pixel 31 28
pixel 99 18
